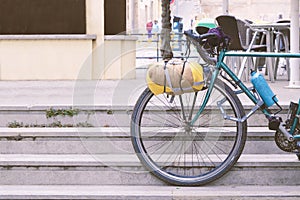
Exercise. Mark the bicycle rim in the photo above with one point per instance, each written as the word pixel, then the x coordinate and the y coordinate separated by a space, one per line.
pixel 181 154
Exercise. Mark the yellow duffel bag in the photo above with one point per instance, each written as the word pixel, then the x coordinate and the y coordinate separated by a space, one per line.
pixel 175 77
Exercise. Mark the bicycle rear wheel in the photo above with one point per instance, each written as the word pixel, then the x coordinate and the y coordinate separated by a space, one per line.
pixel 181 154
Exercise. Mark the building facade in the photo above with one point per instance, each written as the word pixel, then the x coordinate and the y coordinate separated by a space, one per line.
pixel 86 39
pixel 255 10
pixel 64 39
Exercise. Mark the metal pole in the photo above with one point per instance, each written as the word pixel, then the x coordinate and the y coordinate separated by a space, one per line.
pixel 157 47
pixel 177 7
pixel 225 7
pixel 134 7
pixel 294 62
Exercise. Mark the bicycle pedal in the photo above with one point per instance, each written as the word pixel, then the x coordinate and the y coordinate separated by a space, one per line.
pixel 274 123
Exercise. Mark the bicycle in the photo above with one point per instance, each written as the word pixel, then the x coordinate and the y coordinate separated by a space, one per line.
pixel 195 138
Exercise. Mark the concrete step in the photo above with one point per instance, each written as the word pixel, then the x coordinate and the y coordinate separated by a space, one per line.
pixel 125 169
pixel 148 192
pixel 114 140
pixel 36 116
pixel 102 103
pixel 107 115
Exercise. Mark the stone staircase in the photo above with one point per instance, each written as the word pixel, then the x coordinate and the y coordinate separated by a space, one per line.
pixel 99 162
pixel 40 160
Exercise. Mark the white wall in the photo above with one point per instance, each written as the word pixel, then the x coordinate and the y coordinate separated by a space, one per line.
pixel 254 10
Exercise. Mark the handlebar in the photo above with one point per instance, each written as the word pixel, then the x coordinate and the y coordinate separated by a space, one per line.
pixel 200 38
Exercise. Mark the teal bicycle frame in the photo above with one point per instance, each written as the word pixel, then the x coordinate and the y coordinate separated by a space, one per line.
pixel 258 103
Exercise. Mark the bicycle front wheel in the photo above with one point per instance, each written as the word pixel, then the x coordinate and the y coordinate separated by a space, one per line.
pixel 183 154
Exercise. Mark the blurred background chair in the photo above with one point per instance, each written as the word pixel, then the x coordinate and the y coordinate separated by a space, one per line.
pixel 282 44
pixel 253 40
pixel 243 38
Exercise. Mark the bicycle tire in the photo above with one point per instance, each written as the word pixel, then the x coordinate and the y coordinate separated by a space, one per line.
pixel 188 156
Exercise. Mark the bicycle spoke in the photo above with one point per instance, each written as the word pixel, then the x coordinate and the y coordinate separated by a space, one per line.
pixel 179 152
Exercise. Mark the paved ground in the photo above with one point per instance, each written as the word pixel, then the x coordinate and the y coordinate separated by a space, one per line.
pixel 149 192
pixel 102 92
